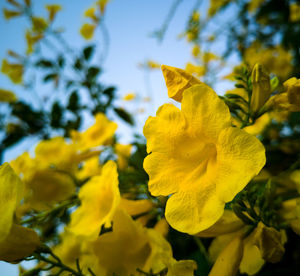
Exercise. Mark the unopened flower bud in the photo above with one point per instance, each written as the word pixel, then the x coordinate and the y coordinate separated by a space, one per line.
pixel 261 87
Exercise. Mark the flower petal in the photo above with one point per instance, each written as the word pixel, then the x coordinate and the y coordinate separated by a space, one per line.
pixel 165 131
pixel 193 211
pixel 205 113
pixel 11 191
pixel 240 156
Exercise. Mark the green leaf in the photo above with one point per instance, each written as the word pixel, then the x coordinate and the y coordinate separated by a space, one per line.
pixel 78 64
pixel 44 63
pixel 56 115
pixel 124 115
pixel 88 52
pixel 73 104
pixel 92 73
pixel 109 91
pixel 238 85
pixel 61 61
pixel 50 77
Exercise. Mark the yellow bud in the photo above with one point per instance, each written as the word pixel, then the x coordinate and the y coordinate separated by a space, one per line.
pixel 261 87
pixel 177 80
pixel 228 262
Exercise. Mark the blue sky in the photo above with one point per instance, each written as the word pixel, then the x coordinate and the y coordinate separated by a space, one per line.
pixel 129 23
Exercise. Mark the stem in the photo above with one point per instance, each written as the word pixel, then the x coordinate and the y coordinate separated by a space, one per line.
pixel 202 249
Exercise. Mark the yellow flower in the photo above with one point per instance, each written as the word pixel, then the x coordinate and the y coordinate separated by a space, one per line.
pixel 135 247
pixel 260 125
pixel 216 5
pixel 99 197
pixel 16 242
pixel 228 262
pixel 294 12
pixel 198 158
pixel 123 152
pixel 91 13
pixel 254 5
pixel 196 51
pixel 99 134
pixel 275 59
pixel 39 24
pixel 288 100
pixel 177 80
pixel 293 90
pixel 91 167
pixel 31 40
pixel 13 70
pixel 8 14
pixel 152 64
pixel 102 5
pixel 87 31
pixel 129 97
pixel 53 10
pixel 7 96
pixel 47 187
pixel 261 87
pixel 196 70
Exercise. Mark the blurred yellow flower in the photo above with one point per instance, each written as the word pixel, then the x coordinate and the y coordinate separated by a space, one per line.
pixel 13 70
pixel 91 13
pixel 91 167
pixel 101 133
pixel 102 5
pixel 129 97
pixel 197 70
pixel 216 5
pixel 197 156
pixel 7 96
pixel 275 59
pixel 123 152
pixel 39 24
pixel 16 242
pixel 254 5
pixel 87 31
pixel 31 40
pixel 99 197
pixel 8 14
pixel 294 12
pixel 53 10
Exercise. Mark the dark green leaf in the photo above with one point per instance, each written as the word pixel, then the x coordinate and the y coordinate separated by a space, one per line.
pixel 92 73
pixel 50 77
pixel 45 63
pixel 56 115
pixel 109 91
pixel 73 104
pixel 123 114
pixel 88 52
pixel 78 64
pixel 61 61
